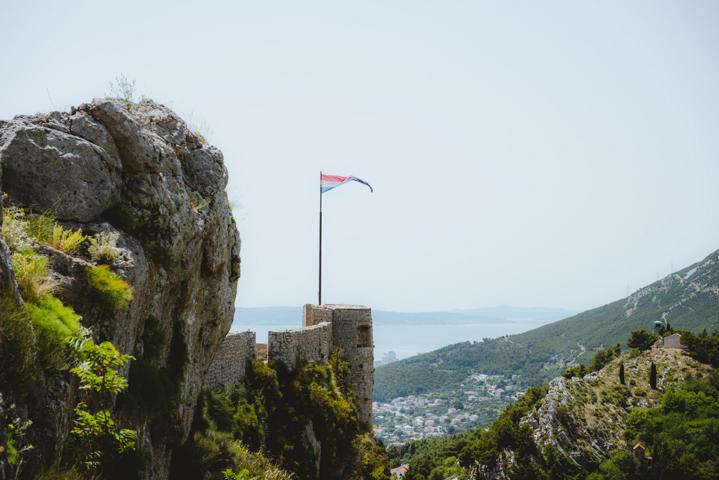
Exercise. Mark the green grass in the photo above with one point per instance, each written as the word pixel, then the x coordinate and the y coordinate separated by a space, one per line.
pixel 32 275
pixel 54 324
pixel 54 319
pixel 18 353
pixel 113 287
pixel 40 226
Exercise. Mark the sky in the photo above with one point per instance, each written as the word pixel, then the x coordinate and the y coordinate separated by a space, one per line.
pixel 554 153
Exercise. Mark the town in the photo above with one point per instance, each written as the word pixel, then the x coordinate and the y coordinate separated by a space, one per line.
pixel 475 404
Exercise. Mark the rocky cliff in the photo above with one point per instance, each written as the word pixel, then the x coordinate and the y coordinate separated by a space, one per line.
pixel 137 170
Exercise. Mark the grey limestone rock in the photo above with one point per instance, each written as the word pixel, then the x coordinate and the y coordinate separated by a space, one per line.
pixel 137 170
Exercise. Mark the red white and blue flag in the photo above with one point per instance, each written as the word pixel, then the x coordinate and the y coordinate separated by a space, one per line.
pixel 328 182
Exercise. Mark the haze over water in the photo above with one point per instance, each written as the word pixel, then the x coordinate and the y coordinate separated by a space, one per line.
pixel 408 334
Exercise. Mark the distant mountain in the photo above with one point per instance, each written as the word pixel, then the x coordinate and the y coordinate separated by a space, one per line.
pixel 688 299
pixel 283 316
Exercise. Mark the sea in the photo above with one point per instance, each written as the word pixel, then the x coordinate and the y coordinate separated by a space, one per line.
pixel 406 340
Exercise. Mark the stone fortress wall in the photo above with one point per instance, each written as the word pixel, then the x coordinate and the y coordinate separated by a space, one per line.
pixel 324 327
pixel 231 359
pixel 310 344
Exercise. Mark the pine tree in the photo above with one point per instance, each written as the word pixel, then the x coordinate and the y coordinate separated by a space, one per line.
pixel 621 373
pixel 653 377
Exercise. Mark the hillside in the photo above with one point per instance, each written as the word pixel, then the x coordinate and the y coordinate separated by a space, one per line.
pixel 688 299
pixel 580 425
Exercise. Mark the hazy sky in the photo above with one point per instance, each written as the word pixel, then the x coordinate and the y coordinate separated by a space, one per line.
pixel 525 153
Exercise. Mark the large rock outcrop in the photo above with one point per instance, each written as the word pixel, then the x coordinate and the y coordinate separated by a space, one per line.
pixel 137 170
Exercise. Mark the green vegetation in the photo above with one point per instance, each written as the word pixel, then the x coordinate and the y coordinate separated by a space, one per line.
pixel 601 358
pixel 113 287
pixel 103 247
pixel 67 241
pixel 703 347
pixel 681 437
pixel 621 374
pixel 41 340
pixel 653 376
pixel 54 325
pixel 642 340
pixel 42 228
pixel 96 431
pixel 32 275
pixel 271 412
pixel 18 354
pixel 14 228
pixel 543 353
pixel 443 457
pixel 681 434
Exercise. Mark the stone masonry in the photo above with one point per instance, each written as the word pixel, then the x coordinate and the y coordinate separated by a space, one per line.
pixel 348 327
pixel 230 362
pixel 310 344
pixel 352 332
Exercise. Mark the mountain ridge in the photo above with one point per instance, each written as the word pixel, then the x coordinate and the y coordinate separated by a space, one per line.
pixel 688 299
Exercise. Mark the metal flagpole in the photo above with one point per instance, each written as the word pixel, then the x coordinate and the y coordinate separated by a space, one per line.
pixel 319 291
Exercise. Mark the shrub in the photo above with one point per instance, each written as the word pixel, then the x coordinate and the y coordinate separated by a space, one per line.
pixel 604 356
pixel 65 240
pixel 97 431
pixel 32 275
pixel 642 339
pixel 373 462
pixel 218 448
pixel 113 287
pixel 703 347
pixel 58 474
pixel 103 247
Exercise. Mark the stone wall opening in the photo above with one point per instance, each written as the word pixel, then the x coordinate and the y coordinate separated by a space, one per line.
pixel 364 336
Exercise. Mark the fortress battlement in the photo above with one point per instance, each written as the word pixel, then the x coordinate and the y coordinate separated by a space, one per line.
pixel 324 327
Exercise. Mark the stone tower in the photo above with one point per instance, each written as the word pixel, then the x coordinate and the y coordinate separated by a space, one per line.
pixel 352 332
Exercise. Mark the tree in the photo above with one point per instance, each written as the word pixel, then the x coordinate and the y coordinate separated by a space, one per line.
pixel 653 376
pixel 621 373
pixel 642 339
pixel 98 433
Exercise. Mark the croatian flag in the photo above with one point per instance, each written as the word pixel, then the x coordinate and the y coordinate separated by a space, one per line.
pixel 328 182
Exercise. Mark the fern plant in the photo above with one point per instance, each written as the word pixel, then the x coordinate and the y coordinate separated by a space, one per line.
pixel 65 240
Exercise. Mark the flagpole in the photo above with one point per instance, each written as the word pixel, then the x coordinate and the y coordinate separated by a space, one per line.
pixel 319 291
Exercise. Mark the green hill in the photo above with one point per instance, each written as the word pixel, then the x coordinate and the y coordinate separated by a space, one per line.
pixel 687 299
pixel 585 426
